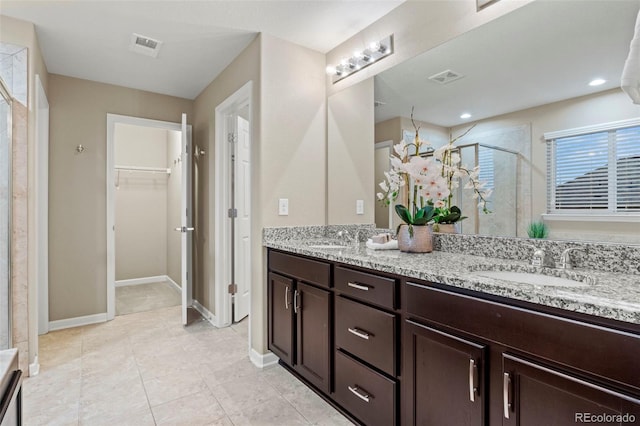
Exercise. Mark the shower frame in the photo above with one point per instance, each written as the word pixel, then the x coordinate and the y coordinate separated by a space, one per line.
pixel 6 96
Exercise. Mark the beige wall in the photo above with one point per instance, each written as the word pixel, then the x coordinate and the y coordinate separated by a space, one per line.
pixel 417 26
pixel 245 68
pixel 350 154
pixel 25 331
pixel 141 202
pixel 77 187
pixel 174 191
pixel 611 105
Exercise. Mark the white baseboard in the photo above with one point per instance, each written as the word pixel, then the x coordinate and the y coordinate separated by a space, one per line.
pixel 77 321
pixel 173 283
pixel 263 360
pixel 206 314
pixel 34 367
pixel 143 280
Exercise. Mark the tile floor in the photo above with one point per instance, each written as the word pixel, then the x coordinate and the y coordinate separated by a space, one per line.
pixel 145 297
pixel 146 369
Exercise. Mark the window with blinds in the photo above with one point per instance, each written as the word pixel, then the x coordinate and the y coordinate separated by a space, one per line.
pixel 594 171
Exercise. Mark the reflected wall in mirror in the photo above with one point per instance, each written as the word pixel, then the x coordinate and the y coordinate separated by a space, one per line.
pixel 518 77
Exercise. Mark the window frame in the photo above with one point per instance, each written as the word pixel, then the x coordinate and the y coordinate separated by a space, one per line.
pixel 609 214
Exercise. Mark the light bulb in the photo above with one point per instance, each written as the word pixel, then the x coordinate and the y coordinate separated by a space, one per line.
pixel 331 70
pixel 465 115
pixel 597 82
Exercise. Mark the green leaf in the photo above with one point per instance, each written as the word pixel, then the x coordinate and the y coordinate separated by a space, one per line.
pixel 404 214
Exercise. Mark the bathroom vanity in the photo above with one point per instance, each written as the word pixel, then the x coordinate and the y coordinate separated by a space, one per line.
pixel 397 338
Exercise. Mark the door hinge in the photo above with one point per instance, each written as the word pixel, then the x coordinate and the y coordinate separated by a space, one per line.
pixel 233 213
pixel 231 137
pixel 233 288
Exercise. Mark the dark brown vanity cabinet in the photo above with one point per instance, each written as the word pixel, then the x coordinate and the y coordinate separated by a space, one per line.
pixel 299 316
pixel 535 394
pixel 444 376
pixel 522 367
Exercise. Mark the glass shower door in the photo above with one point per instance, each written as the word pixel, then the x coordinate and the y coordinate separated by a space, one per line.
pixel 5 217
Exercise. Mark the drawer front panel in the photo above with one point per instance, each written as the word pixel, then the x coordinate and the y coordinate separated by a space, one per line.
pixel 368 287
pixel 307 270
pixel 367 395
pixel 368 333
pixel 579 345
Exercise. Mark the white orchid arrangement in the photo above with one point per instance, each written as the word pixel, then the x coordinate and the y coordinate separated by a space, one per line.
pixel 429 182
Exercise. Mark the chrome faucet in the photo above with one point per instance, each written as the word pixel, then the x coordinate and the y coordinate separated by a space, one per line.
pixel 565 259
pixel 346 237
pixel 540 257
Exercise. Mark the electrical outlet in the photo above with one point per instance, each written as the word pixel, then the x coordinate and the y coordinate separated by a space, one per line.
pixel 359 206
pixel 283 207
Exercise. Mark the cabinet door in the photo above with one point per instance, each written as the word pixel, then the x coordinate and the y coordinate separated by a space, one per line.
pixel 535 395
pixel 444 378
pixel 280 304
pixel 312 333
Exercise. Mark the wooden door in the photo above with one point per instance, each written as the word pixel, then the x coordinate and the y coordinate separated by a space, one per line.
pixel 312 332
pixel 444 378
pixel 534 395
pixel 280 311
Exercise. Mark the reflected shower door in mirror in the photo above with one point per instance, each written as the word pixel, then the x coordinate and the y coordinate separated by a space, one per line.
pixel 5 217
pixel 515 80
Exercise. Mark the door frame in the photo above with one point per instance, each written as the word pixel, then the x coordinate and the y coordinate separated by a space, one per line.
pixel 382 145
pixel 112 120
pixel 41 207
pixel 220 256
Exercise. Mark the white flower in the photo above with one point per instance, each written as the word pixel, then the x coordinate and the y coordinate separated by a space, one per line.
pixel 439 204
pixel 438 154
pixel 455 158
pixel 400 149
pixel 380 196
pixel 383 185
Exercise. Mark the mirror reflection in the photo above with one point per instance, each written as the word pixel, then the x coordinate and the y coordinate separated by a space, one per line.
pixel 516 79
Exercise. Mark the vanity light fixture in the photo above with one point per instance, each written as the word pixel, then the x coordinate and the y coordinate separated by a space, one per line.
pixel 597 82
pixel 465 115
pixel 361 59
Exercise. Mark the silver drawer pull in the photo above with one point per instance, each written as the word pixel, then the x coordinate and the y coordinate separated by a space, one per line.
pixel 473 379
pixel 363 396
pixel 361 334
pixel 358 286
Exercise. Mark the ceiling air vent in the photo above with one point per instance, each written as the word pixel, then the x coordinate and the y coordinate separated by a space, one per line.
pixel 446 77
pixel 144 45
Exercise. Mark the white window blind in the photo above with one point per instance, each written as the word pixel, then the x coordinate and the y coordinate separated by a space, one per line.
pixel 597 172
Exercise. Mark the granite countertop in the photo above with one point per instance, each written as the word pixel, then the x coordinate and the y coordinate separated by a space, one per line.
pixel 608 295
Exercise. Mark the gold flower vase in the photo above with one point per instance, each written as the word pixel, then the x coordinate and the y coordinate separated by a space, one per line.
pixel 420 242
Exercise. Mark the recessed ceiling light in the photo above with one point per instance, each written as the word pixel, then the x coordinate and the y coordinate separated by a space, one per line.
pixel 465 116
pixel 597 82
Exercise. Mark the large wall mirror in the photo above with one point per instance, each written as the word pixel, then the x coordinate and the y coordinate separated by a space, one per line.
pixel 518 77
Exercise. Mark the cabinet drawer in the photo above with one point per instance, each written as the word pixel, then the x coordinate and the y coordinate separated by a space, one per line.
pixel 368 333
pixel 368 395
pixel 371 288
pixel 307 270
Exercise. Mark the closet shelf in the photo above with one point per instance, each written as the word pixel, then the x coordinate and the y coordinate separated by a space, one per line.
pixel 143 169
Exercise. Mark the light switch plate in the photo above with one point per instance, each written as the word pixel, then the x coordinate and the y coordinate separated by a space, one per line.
pixel 359 206
pixel 283 207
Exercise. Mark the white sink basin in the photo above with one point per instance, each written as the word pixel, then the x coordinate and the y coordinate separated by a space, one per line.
pixel 532 278
pixel 326 246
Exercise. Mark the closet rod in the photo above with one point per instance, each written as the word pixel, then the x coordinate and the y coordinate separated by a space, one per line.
pixel 143 169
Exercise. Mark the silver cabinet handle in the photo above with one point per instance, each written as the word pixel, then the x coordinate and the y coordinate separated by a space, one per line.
pixel 295 302
pixel 361 334
pixel 184 229
pixel 286 297
pixel 506 394
pixel 356 391
pixel 358 286
pixel 473 380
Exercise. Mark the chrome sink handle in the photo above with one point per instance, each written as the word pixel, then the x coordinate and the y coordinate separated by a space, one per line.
pixel 565 258
pixel 540 257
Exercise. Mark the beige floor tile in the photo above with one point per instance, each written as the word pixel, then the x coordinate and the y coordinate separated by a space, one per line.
pixel 173 386
pixel 224 372
pixel 282 380
pixel 242 394
pixel 310 405
pixel 277 412
pixel 197 409
pixel 142 417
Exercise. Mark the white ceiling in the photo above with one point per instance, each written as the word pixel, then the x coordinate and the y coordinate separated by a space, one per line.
pixel 544 52
pixel 89 39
